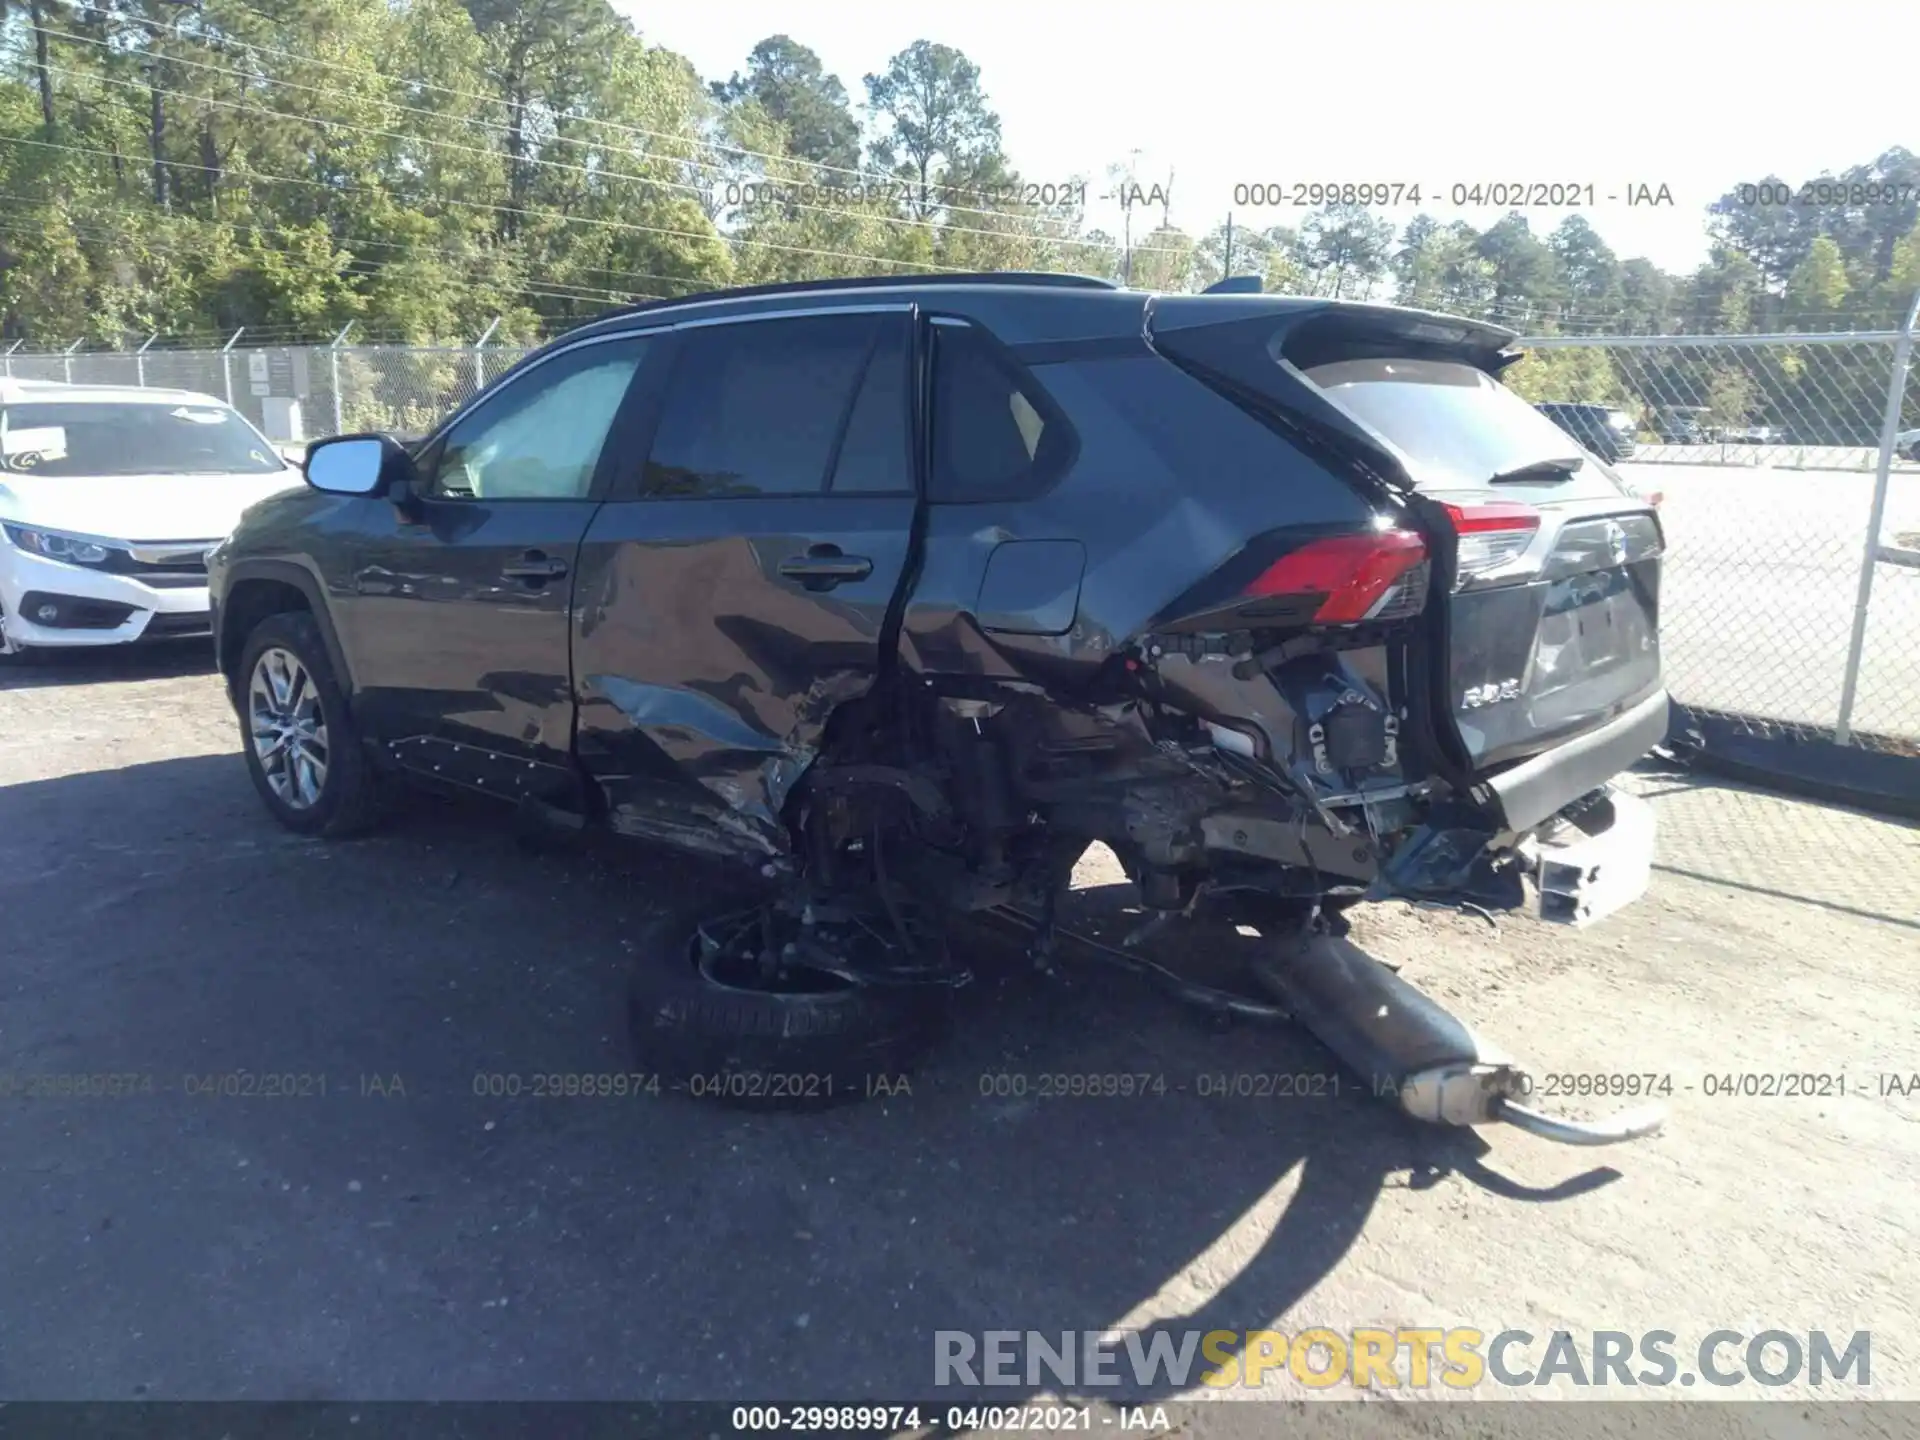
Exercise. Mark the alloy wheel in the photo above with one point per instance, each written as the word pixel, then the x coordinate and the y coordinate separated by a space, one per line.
pixel 287 728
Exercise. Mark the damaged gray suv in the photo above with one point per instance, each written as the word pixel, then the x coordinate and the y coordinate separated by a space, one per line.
pixel 893 596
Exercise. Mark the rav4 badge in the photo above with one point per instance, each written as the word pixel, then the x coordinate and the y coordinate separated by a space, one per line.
pixel 1490 693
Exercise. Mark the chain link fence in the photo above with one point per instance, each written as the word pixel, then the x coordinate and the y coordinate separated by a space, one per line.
pixel 334 388
pixel 1791 596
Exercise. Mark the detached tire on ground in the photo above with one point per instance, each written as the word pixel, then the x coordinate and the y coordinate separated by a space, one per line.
pixel 708 1034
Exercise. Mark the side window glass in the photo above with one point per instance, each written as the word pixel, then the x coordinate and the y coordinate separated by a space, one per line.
pixel 540 438
pixel 756 408
pixel 876 453
pixel 994 435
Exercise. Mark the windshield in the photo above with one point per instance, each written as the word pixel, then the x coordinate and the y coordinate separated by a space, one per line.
pixel 1456 423
pixel 70 440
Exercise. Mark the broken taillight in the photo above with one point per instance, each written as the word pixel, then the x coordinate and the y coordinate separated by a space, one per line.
pixel 1492 536
pixel 1379 574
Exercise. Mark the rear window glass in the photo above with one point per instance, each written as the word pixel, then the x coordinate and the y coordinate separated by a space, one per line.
pixel 875 455
pixel 755 408
pixel 995 435
pixel 1457 424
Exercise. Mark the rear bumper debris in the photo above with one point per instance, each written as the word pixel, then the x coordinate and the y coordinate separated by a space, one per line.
pixel 1596 862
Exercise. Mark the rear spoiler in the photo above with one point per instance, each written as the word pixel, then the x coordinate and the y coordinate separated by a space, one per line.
pixel 1253 347
pixel 1307 332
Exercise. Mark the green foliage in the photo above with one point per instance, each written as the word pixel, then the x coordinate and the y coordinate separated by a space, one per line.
pixel 1730 396
pixel 419 167
pixel 423 167
pixel 935 127
pixel 1344 250
pixel 1576 373
pixel 1818 283
pixel 785 79
pixel 1441 268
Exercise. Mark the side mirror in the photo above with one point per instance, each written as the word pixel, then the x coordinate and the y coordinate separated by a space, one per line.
pixel 359 465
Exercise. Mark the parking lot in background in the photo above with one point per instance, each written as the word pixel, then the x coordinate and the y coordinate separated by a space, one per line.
pixel 401 1236
pixel 1758 593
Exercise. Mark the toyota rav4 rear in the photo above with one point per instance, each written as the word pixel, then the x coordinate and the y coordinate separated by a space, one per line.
pixel 1465 675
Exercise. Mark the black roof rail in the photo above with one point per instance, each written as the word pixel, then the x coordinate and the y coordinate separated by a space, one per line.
pixel 1041 278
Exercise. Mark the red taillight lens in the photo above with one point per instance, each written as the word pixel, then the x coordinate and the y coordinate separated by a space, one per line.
pixel 1378 575
pixel 1491 535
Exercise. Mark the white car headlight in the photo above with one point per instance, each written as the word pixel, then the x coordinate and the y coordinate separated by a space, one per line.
pixel 73 549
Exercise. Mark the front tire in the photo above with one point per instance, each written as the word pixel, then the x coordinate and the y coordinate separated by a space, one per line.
pixel 713 1027
pixel 303 750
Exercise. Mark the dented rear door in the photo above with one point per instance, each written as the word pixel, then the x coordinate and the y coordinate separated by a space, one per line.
pixel 739 595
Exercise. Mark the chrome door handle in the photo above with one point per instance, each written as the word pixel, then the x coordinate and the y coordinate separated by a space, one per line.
pixel 823 567
pixel 534 566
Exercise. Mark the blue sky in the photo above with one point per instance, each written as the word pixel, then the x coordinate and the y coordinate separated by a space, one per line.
pixel 1691 94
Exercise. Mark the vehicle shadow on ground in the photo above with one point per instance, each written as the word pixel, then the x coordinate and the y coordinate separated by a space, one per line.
pixel 476 1245
pixel 90 666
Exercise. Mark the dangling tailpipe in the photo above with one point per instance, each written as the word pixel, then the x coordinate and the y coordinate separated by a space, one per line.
pixel 1406 1046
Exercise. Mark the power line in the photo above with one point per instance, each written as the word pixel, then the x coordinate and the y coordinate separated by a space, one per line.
pixel 546 290
pixel 619 127
pixel 594 172
pixel 253 175
pixel 405 247
pixel 542 290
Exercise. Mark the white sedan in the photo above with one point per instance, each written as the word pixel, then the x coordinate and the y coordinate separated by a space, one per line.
pixel 110 499
pixel 1907 444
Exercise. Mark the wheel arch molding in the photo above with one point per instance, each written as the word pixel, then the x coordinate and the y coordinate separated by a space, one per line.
pixel 255 589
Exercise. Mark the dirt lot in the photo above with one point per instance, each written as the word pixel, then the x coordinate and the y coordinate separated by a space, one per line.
pixel 436 1243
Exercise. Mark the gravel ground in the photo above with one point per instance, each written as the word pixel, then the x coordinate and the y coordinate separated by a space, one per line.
pixel 439 1244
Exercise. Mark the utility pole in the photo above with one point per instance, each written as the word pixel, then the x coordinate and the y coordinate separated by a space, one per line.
pixel 1129 187
pixel 226 361
pixel 1226 266
pixel 480 356
pixel 333 367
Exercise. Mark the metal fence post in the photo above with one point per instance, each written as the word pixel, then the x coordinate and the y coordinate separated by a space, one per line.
pixel 66 358
pixel 1876 518
pixel 8 357
pixel 480 357
pixel 226 361
pixel 140 360
pixel 333 363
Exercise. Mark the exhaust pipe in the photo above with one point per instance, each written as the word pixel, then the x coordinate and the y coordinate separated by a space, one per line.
pixel 1405 1045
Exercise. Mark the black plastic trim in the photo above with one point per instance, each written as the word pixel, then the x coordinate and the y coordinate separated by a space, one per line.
pixel 1535 789
pixel 77 612
pixel 1095 347
pixel 1779 758
pixel 287 572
